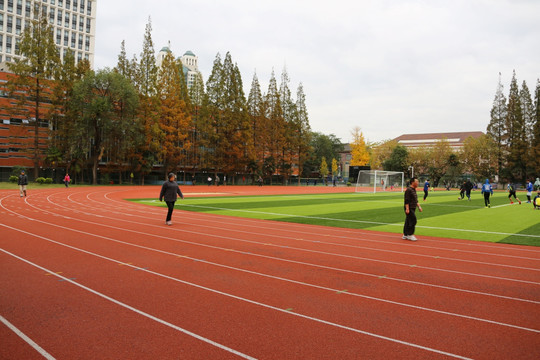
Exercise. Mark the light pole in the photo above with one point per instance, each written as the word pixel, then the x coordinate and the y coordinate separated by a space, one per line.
pixel 411 169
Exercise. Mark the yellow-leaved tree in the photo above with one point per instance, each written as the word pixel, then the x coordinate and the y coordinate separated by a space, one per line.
pixel 359 151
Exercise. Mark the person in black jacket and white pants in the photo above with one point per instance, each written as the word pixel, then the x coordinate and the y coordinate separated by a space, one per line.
pixel 169 192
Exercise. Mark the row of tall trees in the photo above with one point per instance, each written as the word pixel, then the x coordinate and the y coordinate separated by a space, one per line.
pixel 139 115
pixel 515 129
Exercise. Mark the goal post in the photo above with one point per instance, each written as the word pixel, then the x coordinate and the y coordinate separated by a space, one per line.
pixel 373 181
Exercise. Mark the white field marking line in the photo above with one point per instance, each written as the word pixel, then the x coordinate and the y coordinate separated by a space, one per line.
pixel 117 302
pixel 268 257
pixel 383 250
pixel 498 206
pixel 358 221
pixel 29 341
pixel 324 288
pixel 375 241
pixel 327 267
pixel 279 246
pixel 227 295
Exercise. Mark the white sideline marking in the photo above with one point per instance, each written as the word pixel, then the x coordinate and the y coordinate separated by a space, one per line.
pixel 140 312
pixel 360 221
pixel 30 342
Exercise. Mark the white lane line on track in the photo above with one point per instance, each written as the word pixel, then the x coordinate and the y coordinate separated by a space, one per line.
pixel 140 312
pixel 273 277
pixel 294 248
pixel 296 262
pixel 374 249
pixel 29 341
pixel 227 295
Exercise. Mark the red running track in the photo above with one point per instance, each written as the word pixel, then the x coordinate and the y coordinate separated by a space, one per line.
pixel 85 274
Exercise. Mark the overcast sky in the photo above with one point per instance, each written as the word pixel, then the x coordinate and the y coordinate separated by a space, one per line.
pixel 390 67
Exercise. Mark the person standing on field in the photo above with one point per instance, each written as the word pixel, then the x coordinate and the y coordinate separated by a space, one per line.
pixel 23 181
pixel 411 203
pixel 169 192
pixel 529 189
pixel 512 192
pixel 487 190
pixel 426 189
pixel 468 188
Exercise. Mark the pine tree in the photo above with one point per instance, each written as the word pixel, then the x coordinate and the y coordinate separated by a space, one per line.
pixel 174 117
pixel 535 148
pixel 527 110
pixel 302 131
pixel 38 63
pixel 515 135
pixel 276 129
pixel 255 109
pixel 496 128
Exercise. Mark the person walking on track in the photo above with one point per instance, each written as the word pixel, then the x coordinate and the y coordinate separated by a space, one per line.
pixel 23 181
pixel 169 192
pixel 411 203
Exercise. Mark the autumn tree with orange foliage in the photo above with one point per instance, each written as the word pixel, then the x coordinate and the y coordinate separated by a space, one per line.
pixel 359 152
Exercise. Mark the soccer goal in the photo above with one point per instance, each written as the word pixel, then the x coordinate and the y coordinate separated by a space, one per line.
pixel 373 181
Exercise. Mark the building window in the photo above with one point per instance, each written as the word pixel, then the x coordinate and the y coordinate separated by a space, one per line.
pixel 89 8
pixel 51 16
pixel 59 18
pixel 66 37
pixel 18 26
pixel 87 44
pixel 1 22
pixel 27 9
pixel 73 39
pixel 75 4
pixel 68 4
pixel 53 2
pixel 1 43
pixel 86 56
pixel 66 20
pixel 82 7
pixel 17 41
pixel 79 57
pixel 9 40
pixel 1 4
pixel 88 23
pixel 58 36
pixel 73 21
pixel 81 23
pixel 80 41
pixel 19 7
pixel 10 5
pixel 9 27
pixel 60 2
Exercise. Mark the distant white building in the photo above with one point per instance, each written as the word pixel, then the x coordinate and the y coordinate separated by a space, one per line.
pixel 189 61
pixel 73 22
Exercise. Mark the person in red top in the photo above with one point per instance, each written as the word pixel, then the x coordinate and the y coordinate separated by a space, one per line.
pixel 67 179
pixel 411 203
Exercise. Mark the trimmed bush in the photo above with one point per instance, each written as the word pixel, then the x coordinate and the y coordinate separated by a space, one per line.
pixel 48 181
pixel 40 180
pixel 13 179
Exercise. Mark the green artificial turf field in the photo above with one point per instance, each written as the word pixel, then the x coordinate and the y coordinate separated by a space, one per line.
pixel 444 215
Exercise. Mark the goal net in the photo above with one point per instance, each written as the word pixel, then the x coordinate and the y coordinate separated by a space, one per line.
pixel 373 181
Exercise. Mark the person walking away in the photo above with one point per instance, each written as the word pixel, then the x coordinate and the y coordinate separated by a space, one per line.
pixel 487 190
pixel 411 203
pixel 462 191
pixel 23 181
pixel 529 189
pixel 512 192
pixel 426 189
pixel 169 192
pixel 67 179
pixel 468 188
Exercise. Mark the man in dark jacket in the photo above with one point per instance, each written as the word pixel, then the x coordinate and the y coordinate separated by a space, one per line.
pixel 169 192
pixel 411 203
pixel 23 181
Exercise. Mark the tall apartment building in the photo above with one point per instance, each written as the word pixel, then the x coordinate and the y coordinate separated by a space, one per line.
pixel 74 23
